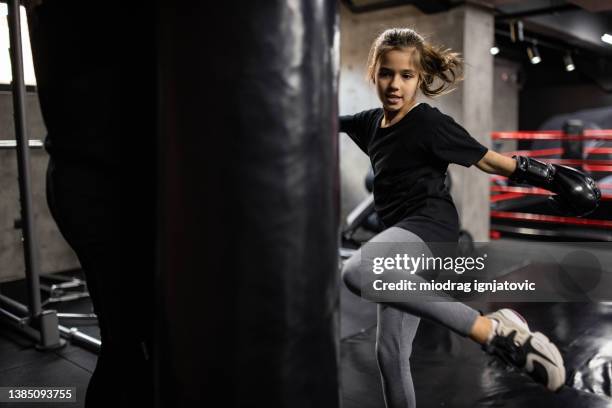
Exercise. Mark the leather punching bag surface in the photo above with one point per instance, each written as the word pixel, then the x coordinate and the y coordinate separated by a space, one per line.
pixel 247 276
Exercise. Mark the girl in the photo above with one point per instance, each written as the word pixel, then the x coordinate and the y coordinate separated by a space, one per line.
pixel 410 146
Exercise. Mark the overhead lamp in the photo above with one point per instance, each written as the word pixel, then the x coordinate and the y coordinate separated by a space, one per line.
pixel 568 62
pixel 607 38
pixel 534 54
pixel 516 31
pixel 494 50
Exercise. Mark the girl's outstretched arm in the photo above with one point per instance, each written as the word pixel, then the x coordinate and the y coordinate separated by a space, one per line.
pixel 495 163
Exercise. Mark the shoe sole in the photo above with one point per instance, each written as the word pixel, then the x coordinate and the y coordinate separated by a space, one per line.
pixel 542 344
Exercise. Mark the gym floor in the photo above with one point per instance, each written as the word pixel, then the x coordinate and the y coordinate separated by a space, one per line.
pixel 23 365
pixel 476 379
pixel 581 330
pixel 451 371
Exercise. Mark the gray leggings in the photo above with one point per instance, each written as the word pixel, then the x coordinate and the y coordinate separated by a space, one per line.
pixel 398 323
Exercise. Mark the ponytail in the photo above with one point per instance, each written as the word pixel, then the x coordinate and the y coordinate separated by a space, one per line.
pixel 443 64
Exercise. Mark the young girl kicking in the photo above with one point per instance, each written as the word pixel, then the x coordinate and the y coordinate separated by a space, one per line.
pixel 410 146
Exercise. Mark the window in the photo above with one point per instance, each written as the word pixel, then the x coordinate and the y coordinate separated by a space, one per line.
pixel 5 60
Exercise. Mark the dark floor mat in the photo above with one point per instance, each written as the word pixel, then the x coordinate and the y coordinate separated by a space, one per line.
pixel 451 371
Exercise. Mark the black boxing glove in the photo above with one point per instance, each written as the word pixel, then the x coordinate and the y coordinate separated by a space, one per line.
pixel 576 193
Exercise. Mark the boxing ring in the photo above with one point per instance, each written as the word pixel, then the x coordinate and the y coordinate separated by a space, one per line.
pixel 522 210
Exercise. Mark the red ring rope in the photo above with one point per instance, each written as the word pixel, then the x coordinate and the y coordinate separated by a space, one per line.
pixel 551 219
pixel 589 134
pixel 529 191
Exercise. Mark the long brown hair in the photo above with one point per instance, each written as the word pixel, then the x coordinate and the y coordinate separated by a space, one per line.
pixel 431 61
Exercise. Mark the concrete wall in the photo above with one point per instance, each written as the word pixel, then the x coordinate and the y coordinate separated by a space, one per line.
pixel 55 255
pixel 506 90
pixel 505 95
pixel 468 30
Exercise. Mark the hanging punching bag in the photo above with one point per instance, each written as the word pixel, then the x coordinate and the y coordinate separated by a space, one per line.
pixel 247 270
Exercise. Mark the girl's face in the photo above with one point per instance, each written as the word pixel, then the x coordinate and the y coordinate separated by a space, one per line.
pixel 396 80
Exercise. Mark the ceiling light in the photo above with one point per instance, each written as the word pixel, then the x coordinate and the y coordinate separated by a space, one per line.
pixel 494 50
pixel 534 54
pixel 516 31
pixel 607 38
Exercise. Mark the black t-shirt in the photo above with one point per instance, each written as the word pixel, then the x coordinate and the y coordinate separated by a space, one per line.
pixel 410 159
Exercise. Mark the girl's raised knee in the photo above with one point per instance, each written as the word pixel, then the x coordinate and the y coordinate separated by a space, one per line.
pixel 350 276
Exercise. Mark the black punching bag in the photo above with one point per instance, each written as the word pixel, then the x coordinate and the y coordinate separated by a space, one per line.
pixel 247 277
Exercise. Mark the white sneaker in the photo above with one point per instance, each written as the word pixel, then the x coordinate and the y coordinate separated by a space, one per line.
pixel 533 353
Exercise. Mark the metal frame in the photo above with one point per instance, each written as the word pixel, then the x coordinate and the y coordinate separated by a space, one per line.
pixel 64 289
